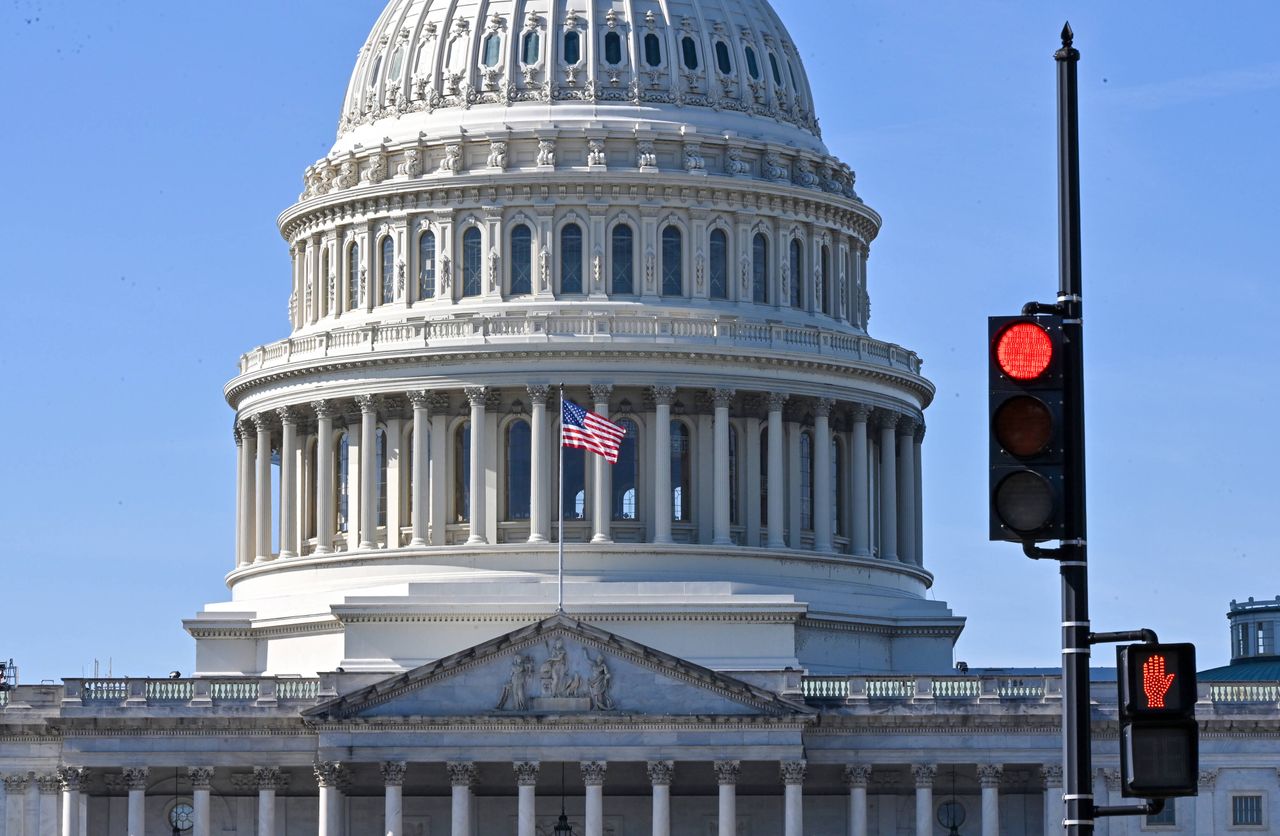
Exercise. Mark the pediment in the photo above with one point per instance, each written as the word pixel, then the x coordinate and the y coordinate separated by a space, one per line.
pixel 558 666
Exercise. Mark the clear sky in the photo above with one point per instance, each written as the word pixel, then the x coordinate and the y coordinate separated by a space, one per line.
pixel 150 145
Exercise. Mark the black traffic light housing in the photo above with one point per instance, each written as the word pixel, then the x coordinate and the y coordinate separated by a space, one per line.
pixel 1025 416
pixel 1159 737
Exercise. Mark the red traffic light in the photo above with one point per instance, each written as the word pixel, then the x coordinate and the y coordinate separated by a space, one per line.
pixel 1024 350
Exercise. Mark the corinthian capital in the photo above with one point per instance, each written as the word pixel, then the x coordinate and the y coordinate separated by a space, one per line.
pixel 393 773
pixel 367 403
pixel 886 419
pixel 822 407
pixel 600 392
pixel 660 772
pixel 201 777
pixel 538 393
pixel 136 777
pixel 328 773
pixel 287 415
pixel 461 774
pixel 526 773
pixel 727 772
pixel 857 774
pixel 324 409
pixel 419 398
pixel 793 772
pixel 989 774
pixel 593 772
pixel 777 400
pixel 477 395
pixel 924 773
pixel 722 398
pixel 71 777
pixel 663 395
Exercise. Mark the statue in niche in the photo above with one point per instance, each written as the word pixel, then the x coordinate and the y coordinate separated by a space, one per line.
pixel 514 696
pixel 598 685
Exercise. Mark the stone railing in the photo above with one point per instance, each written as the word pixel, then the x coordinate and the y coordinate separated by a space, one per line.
pixel 586 327
pixel 197 691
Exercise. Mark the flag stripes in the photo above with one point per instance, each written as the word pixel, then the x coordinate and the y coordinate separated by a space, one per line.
pixel 588 431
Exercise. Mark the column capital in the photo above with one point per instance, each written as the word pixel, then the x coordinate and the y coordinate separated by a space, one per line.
pixel 526 773
pixel 600 392
pixel 72 777
pixel 822 407
pixel 989 775
pixel 538 393
pixel 727 772
pixel 860 412
pixel 461 773
pixel 287 415
pixel 593 772
pixel 663 395
pixel 919 432
pixel 886 419
pixel 477 395
pixel 661 772
pixel 239 431
pixel 419 398
pixel 793 772
pixel 201 777
pixel 16 784
pixel 393 773
pixel 1208 778
pixel 777 400
pixel 328 773
pixel 924 773
pixel 907 426
pixel 857 775
pixel 324 409
pixel 136 777
pixel 48 784
pixel 722 398
pixel 267 777
pixel 1051 775
pixel 261 421
pixel 367 403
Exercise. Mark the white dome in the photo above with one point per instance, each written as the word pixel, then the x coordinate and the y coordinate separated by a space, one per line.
pixel 439 67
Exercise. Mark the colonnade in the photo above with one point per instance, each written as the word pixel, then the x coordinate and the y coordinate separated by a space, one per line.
pixel 872 498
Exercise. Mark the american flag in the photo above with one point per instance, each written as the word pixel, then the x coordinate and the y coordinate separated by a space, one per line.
pixel 588 431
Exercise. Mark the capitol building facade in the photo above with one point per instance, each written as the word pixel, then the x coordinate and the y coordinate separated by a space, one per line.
pixel 627 204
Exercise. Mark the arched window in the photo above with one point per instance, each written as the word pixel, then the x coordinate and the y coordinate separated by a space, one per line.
pixel 681 473
pixel 825 291
pixel 764 476
pixel 723 64
pixel 806 481
pixel 689 50
pixel 408 473
pixel 760 268
pixel 397 62
pixel 427 265
pixel 472 259
pixel 773 65
pixel 343 468
pixel 462 473
pixel 672 262
pixel 621 258
pixel 572 47
pixel 837 487
pixel 719 264
pixel 797 273
pixel 388 271
pixel 519 452
pixel 380 442
pixel 531 48
pixel 325 283
pixel 613 48
pixel 573 491
pixel 492 44
pixel 353 277
pixel 733 475
pixel 521 260
pixel 571 259
pixel 311 455
pixel 626 473
pixel 753 66
pixel 652 50
pixel 373 72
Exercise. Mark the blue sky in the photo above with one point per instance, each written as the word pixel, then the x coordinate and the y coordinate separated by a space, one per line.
pixel 149 147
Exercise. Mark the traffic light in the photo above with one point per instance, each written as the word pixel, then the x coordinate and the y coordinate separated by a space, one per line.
pixel 1159 738
pixel 1026 460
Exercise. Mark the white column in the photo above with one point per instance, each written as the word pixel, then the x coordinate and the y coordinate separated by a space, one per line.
pixel 201 781
pixel 918 481
pixel 368 511
pixel 241 478
pixel 70 777
pixel 1205 814
pixel 602 530
pixel 924 774
pixel 539 474
pixel 438 482
pixel 45 821
pixel 823 525
pixel 989 779
pixel 857 776
pixel 461 777
pixel 419 489
pixel 267 779
pixel 886 422
pixel 393 807
pixel 793 798
pixel 776 476
pixel 325 522
pixel 722 535
pixel 328 777
pixel 262 480
pixel 727 809
pixel 476 396
pixel 662 398
pixel 859 463
pixel 136 779
pixel 288 481
pixel 593 780
pixel 1051 775
pixel 15 803
pixel 660 773
pixel 906 431
pixel 526 802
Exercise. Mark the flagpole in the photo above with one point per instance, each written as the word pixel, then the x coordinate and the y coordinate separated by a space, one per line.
pixel 560 505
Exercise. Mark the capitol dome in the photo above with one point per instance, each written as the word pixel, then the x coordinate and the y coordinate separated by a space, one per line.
pixel 629 200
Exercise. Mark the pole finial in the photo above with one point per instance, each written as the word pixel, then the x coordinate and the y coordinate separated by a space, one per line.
pixel 1067 35
pixel 1067 52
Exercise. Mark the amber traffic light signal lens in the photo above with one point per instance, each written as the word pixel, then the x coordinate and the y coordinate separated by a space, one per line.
pixel 1023 351
pixel 1024 501
pixel 1023 426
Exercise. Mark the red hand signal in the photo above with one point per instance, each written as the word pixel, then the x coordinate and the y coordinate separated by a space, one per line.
pixel 1155 682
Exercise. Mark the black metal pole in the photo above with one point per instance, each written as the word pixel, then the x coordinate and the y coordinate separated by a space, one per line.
pixel 1077 761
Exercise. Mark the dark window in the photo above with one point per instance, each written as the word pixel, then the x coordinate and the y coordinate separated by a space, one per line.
pixel 806 481
pixel 343 474
pixel 652 50
pixel 381 445
pixel 353 277
pixel 427 265
pixel 722 58
pixel 373 73
pixel 797 273
pixel 791 71
pixel 773 65
pixel 690 51
pixel 1166 817
pixel 753 66
pixel 622 260
pixel 572 47
pixel 571 259
pixel 462 473
pixel 471 262
pixel 719 264
pixel 837 487
pixel 519 450
pixel 492 44
pixel 397 62
pixel 672 266
pixel 824 292
pixel 573 492
pixel 733 475
pixel 625 473
pixel 760 268
pixel 1246 810
pixel 613 48
pixel 530 48
pixel 388 271
pixel 521 260
pixel 764 476
pixel 681 473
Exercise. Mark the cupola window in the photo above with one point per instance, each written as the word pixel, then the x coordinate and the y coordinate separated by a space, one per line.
pixel 492 45
pixel 521 260
pixel 622 243
pixel 572 47
pixel 427 265
pixel 471 262
pixel 573 490
pixel 462 473
pixel 531 49
pixel 797 273
pixel 613 48
pixel 353 277
pixel 625 473
pixel 672 258
pixel 722 58
pixel 719 264
pixel 652 50
pixel 571 259
pixel 759 268
pixel 380 448
pixel 681 473
pixel 373 72
pixel 824 292
pixel 806 481
pixel 342 468
pixel 689 49
pixel 388 271
pixel 519 451
pixel 773 65
pixel 753 66
pixel 837 487
pixel 733 476
pixel 397 62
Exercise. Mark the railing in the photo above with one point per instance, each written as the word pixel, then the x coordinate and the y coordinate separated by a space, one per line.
pixel 594 326
pixel 854 688
pixel 1241 692
pixel 105 690
pixel 191 691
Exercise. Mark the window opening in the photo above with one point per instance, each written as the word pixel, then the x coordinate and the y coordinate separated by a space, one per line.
pixel 427 265
pixel 719 264
pixel 753 66
pixel 759 268
pixel 531 48
pixel 388 271
pixel 572 47
pixel 625 472
pixel 690 51
pixel 571 259
pixel 519 452
pixel 621 259
pixel 613 48
pixel 492 45
pixel 672 258
pixel 652 50
pixel 521 260
pixel 722 58
pixel 471 259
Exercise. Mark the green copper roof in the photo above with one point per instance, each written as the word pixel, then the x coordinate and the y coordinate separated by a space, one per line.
pixel 1265 668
